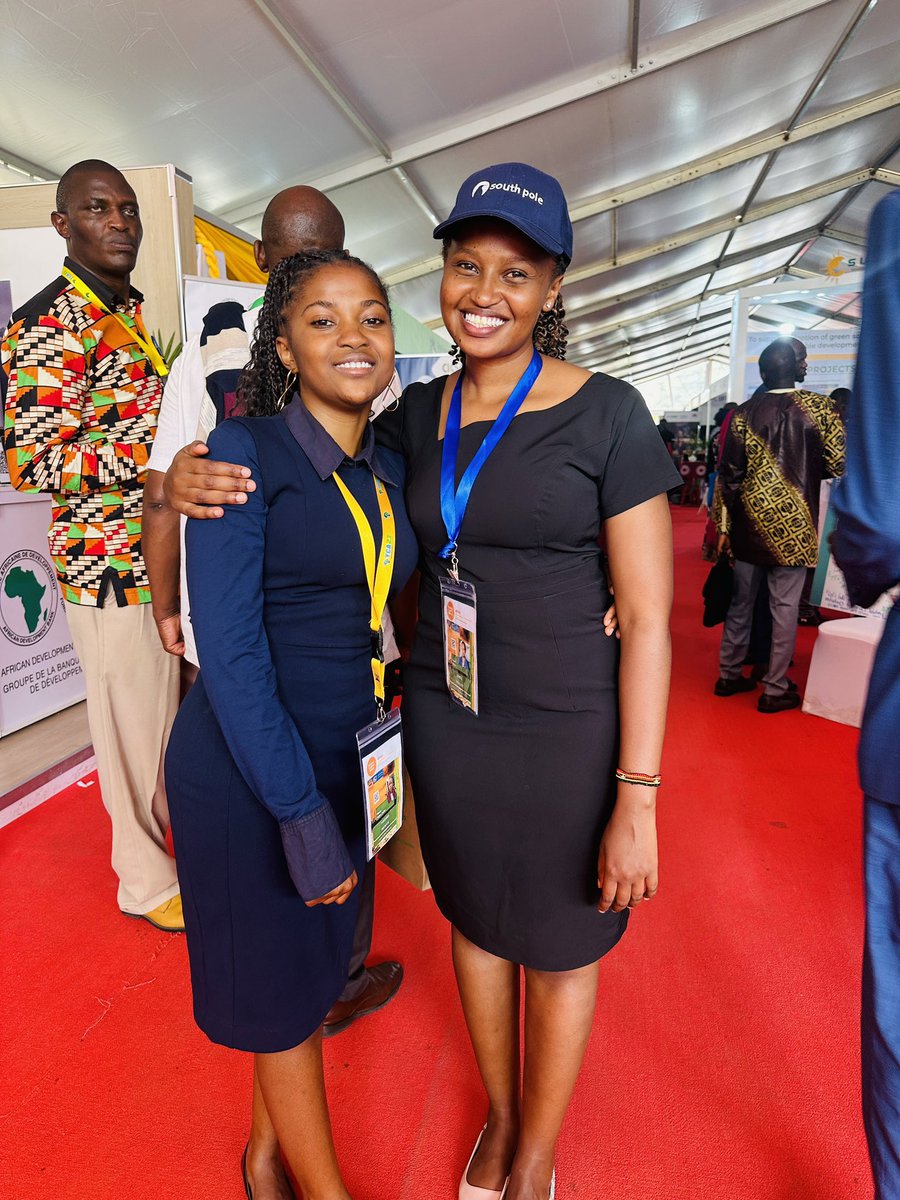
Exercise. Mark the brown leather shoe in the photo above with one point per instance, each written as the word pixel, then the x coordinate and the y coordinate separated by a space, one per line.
pixel 382 983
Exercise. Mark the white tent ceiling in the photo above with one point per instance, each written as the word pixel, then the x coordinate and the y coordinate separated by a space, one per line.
pixel 702 144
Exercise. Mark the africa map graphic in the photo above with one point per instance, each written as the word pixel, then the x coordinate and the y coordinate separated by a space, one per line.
pixel 22 584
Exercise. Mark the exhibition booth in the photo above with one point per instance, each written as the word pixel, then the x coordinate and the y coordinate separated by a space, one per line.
pixel 39 671
pixel 188 262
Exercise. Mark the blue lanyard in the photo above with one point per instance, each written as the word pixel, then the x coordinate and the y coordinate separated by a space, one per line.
pixel 454 500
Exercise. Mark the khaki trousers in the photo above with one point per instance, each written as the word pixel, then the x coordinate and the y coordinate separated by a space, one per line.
pixel 132 697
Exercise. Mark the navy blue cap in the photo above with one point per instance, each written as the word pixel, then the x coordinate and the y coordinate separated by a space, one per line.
pixel 527 198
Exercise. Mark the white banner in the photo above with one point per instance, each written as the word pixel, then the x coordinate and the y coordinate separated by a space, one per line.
pixel 831 358
pixel 39 670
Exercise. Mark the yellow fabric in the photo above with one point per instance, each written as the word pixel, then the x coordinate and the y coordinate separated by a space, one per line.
pixel 240 264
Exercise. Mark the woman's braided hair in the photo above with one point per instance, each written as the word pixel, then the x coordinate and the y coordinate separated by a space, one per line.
pixel 261 391
pixel 550 334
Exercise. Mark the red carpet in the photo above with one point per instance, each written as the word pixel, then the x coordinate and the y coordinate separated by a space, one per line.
pixel 724 1058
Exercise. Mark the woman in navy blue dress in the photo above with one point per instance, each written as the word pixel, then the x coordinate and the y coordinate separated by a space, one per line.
pixel 262 769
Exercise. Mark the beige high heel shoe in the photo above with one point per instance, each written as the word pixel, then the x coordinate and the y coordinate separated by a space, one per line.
pixel 468 1191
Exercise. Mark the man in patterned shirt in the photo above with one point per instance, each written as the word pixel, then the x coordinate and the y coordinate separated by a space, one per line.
pixel 82 383
pixel 779 447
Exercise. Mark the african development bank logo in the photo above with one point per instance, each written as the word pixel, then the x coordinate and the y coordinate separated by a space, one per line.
pixel 28 597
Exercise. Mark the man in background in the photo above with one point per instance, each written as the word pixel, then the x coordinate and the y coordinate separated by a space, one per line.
pixel 866 545
pixel 82 383
pixel 201 393
pixel 778 448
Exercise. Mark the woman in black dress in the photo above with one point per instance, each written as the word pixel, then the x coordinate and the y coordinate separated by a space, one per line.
pixel 535 850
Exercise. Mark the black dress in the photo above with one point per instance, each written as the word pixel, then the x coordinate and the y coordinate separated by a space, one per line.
pixel 511 803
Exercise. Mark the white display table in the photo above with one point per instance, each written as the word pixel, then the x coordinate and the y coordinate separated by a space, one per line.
pixel 39 671
pixel 840 668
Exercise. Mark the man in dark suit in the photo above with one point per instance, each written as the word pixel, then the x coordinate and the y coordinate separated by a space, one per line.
pixel 866 545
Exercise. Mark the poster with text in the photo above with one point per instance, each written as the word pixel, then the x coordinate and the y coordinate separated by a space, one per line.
pixel 39 669
pixel 830 356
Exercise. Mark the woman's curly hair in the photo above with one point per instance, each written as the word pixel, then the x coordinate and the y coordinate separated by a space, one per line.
pixel 550 334
pixel 265 379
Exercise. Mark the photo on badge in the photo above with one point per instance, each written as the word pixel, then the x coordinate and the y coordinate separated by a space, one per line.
pixel 459 621
pixel 381 766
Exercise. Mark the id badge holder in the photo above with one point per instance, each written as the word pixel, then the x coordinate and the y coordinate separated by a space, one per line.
pixel 458 621
pixel 380 747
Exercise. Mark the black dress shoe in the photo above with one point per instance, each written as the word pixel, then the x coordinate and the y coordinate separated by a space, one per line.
pixel 779 703
pixel 382 983
pixel 731 687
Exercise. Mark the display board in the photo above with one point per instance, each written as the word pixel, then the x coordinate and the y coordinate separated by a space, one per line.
pixel 201 293
pixel 831 358
pixel 831 351
pixel 39 671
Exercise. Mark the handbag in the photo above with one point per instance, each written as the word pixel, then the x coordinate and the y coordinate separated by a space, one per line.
pixel 717 591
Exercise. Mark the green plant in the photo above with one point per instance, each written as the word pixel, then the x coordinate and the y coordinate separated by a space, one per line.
pixel 168 349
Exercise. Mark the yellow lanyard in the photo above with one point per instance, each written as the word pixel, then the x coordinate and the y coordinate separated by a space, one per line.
pixel 378 578
pixel 132 324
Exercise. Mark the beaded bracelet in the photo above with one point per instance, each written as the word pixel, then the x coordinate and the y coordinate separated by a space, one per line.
pixel 653 781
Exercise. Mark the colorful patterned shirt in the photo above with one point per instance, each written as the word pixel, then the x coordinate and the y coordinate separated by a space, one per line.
pixel 81 401
pixel 779 447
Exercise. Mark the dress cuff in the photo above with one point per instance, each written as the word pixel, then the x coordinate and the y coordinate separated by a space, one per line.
pixel 316 853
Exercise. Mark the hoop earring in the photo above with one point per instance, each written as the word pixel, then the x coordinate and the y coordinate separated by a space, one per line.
pixel 291 380
pixel 394 403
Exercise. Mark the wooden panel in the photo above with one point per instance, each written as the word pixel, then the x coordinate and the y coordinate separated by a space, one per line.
pixel 184 199
pixel 158 270
pixel 27 206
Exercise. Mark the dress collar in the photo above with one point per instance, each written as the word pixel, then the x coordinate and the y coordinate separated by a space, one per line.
pixel 325 454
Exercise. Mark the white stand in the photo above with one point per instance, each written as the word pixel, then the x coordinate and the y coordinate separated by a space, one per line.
pixel 841 665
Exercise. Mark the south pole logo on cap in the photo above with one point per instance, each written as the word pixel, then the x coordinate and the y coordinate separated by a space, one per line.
pixel 484 186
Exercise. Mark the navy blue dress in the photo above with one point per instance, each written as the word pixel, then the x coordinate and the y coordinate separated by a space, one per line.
pixel 262 772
